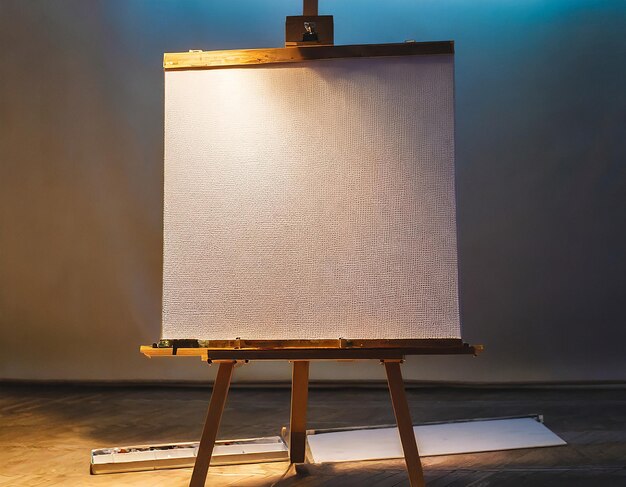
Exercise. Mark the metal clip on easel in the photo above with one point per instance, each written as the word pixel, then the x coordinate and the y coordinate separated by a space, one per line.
pixel 310 28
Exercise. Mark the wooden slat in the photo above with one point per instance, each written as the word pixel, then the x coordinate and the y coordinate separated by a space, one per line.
pixel 245 344
pixel 297 422
pixel 313 353
pixel 149 351
pixel 252 57
pixel 304 354
pixel 309 7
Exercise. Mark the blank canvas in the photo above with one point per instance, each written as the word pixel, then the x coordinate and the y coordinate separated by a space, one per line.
pixel 311 200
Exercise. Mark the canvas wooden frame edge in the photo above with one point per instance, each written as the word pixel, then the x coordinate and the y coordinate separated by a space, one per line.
pixel 252 57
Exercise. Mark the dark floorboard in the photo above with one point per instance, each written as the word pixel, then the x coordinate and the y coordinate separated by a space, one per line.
pixel 46 433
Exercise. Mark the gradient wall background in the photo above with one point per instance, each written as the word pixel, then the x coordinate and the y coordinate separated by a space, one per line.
pixel 541 168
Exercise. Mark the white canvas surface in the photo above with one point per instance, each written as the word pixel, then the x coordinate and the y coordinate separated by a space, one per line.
pixel 311 200
pixel 432 440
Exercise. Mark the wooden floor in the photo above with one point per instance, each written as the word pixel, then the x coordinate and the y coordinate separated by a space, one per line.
pixel 47 432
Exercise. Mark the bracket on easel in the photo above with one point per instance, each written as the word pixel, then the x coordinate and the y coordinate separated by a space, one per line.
pixel 310 28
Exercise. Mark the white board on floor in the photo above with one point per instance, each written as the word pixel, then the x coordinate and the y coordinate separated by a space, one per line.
pixel 432 440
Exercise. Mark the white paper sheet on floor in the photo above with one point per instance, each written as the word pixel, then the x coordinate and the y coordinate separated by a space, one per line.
pixel 432 440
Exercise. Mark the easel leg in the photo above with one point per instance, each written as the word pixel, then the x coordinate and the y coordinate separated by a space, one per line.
pixel 212 424
pixel 299 397
pixel 405 425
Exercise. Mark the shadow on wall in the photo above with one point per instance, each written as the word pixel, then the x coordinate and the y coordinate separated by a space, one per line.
pixel 540 173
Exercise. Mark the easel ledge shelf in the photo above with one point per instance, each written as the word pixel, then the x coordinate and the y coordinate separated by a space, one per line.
pixel 332 349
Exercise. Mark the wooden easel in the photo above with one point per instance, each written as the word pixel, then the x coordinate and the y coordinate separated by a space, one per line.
pixel 229 354
pixel 297 430
pixel 309 37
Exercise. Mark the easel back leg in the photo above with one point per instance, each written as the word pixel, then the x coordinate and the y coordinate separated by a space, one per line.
pixel 299 398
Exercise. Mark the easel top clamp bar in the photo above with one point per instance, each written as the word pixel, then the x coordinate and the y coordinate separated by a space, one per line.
pixel 340 349
pixel 252 57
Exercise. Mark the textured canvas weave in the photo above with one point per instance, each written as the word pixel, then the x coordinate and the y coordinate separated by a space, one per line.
pixel 311 200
